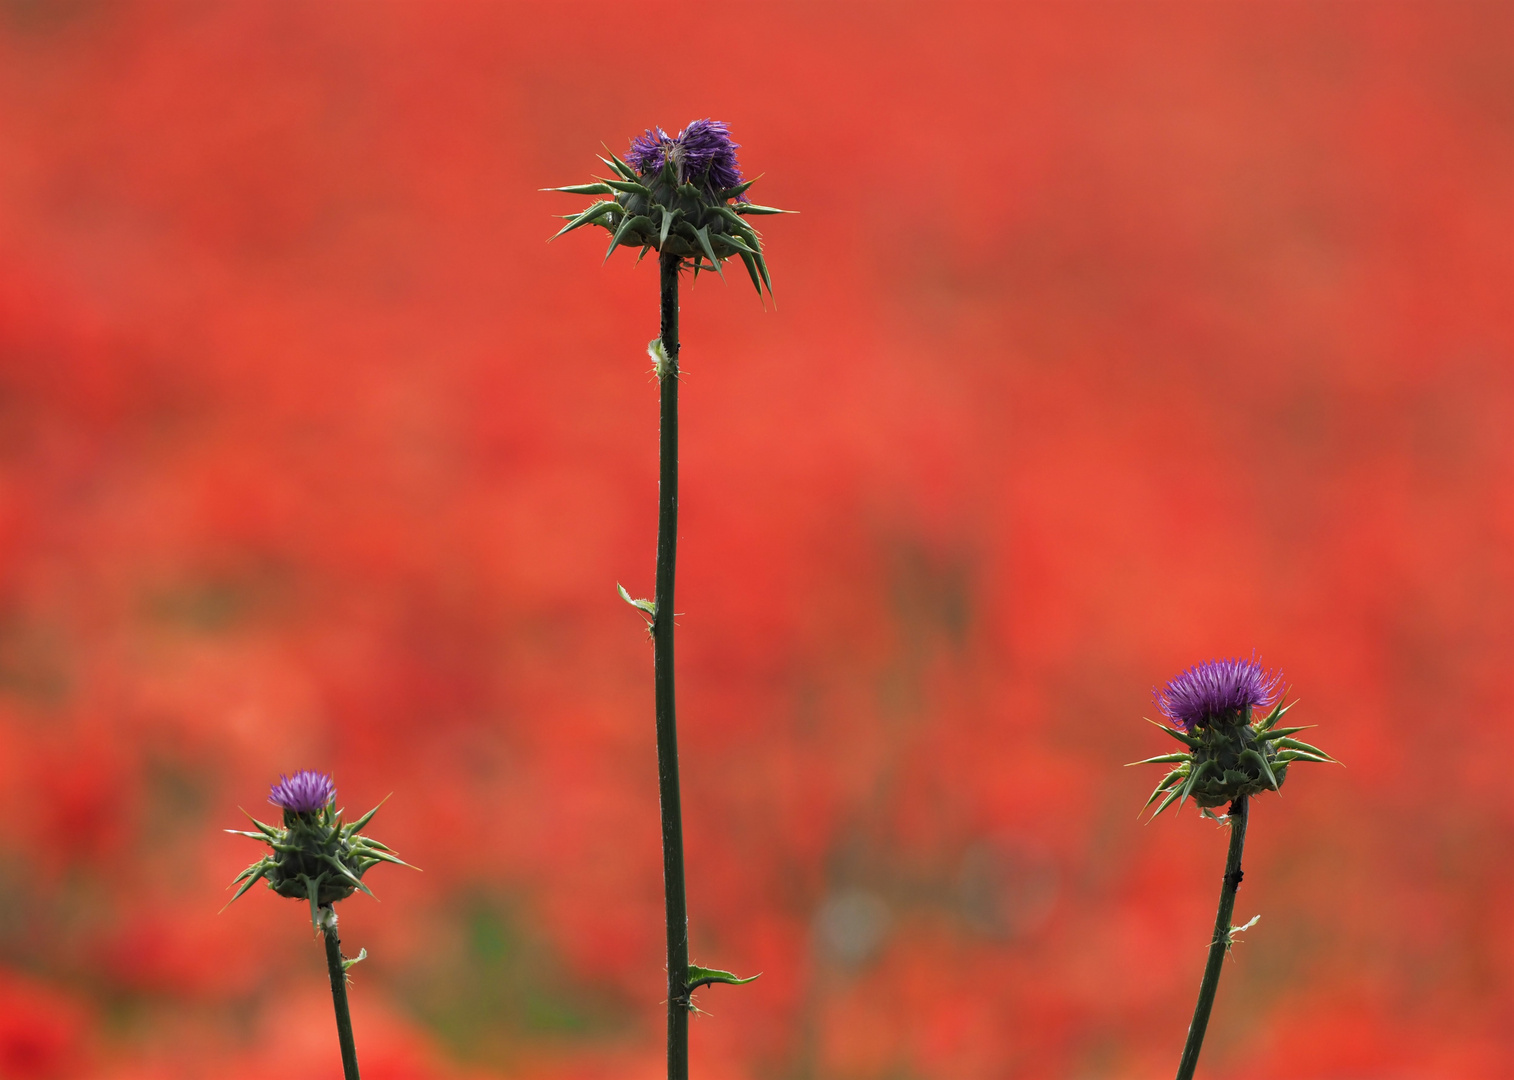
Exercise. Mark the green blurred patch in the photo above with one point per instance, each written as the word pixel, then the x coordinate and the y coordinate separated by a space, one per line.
pixel 34 661
pixel 493 989
pixel 220 600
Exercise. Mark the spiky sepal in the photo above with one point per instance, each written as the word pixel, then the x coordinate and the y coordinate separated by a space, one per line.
pixel 655 212
pixel 316 857
pixel 1226 760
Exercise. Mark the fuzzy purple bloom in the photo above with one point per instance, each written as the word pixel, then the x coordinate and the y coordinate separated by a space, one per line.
pixel 703 153
pixel 303 793
pixel 1217 690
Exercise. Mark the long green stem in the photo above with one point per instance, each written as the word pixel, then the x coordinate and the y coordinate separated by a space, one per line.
pixel 338 973
pixel 1220 944
pixel 675 904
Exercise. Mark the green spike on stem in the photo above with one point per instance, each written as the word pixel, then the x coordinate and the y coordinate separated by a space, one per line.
pixel 1283 732
pixel 583 189
pixel 751 269
pixel 1171 795
pixel 1299 755
pixel 1295 744
pixel 1161 759
pixel 1260 762
pixel 621 168
pixel 703 232
pixel 1181 736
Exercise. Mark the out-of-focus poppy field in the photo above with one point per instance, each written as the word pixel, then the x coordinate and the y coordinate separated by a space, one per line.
pixel 1109 338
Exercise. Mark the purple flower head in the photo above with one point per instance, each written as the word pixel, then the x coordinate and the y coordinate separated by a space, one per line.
pixel 305 792
pixel 703 153
pixel 1217 690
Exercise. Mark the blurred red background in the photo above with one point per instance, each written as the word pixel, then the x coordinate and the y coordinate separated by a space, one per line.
pixel 1110 338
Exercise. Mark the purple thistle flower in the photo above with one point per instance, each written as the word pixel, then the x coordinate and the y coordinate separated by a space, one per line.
pixel 303 793
pixel 702 153
pixel 1217 690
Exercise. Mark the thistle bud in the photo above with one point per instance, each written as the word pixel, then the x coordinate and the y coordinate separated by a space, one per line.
pixel 315 856
pixel 681 195
pixel 1231 752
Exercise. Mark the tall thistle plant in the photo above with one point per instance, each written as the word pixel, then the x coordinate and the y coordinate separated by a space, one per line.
pixel 1230 755
pixel 682 197
pixel 317 857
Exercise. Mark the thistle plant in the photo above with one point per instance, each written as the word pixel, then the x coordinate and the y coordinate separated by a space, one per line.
pixel 317 857
pixel 683 197
pixel 1229 756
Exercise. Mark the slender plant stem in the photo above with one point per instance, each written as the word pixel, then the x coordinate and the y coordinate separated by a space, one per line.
pixel 339 993
pixel 676 904
pixel 1220 945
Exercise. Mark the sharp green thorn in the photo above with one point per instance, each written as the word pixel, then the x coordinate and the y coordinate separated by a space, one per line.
pixel 1295 744
pixel 1283 732
pixel 1182 737
pixel 751 269
pixel 357 825
pixel 1161 759
pixel 582 189
pixel 1173 794
pixel 1261 762
pixel 703 232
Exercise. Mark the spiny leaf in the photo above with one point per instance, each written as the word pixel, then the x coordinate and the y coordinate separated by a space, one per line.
pixel 702 976
pixel 1295 744
pixel 250 835
pixel 261 868
pixel 763 266
pixel 625 227
pixel 592 214
pixel 647 606
pixel 348 874
pixel 1199 774
pixel 620 167
pixel 1166 782
pixel 1261 763
pixel 703 232
pixel 313 892
pixel 629 187
pixel 739 189
pixel 1300 755
pixel 357 825
pixel 1284 732
pixel 267 830
pixel 1180 736
pixel 751 268
pixel 1173 794
pixel 583 189
pixel 362 954
pixel 667 219
pixel 739 244
pixel 1278 712
pixel 1234 930
pixel 1161 759
pixel 753 208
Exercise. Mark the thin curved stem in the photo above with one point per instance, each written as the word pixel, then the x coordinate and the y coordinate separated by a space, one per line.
pixel 338 972
pixel 1220 945
pixel 675 902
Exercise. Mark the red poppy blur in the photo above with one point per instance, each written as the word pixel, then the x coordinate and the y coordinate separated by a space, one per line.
pixel 1109 338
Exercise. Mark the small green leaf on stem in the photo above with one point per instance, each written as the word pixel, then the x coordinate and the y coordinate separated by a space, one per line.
pixel 701 976
pixel 646 607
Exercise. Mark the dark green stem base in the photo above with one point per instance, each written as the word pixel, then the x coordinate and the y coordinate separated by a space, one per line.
pixel 339 993
pixel 1220 945
pixel 676 905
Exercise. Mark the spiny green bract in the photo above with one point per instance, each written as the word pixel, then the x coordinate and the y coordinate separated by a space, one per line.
pixel 1223 762
pixel 658 213
pixel 316 857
